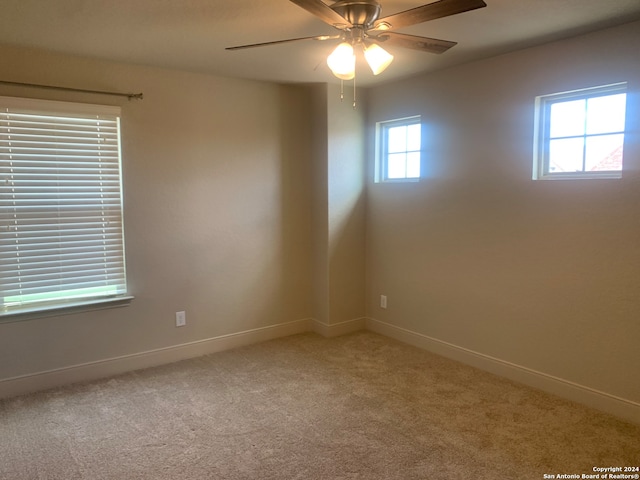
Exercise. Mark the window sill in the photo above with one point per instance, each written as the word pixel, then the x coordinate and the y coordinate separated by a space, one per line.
pixel 32 313
pixel 580 176
pixel 400 180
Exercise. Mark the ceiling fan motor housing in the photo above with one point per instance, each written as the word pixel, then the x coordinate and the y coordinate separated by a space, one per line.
pixel 360 13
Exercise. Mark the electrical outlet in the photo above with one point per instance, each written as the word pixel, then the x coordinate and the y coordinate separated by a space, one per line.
pixel 383 301
pixel 181 319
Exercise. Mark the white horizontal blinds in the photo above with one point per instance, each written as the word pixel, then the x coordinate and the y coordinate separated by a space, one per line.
pixel 61 239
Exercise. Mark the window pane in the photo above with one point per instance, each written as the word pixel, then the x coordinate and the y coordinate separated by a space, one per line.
pixel 413 165
pixel 397 166
pixel 566 155
pixel 567 118
pixel 398 149
pixel 413 140
pixel 606 114
pixel 604 153
pixel 398 139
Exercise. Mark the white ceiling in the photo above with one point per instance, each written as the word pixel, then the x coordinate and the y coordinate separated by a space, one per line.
pixel 191 34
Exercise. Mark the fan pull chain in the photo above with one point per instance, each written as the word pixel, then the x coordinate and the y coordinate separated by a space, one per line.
pixel 354 91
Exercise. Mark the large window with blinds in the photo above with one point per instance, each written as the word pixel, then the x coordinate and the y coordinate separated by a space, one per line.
pixel 61 238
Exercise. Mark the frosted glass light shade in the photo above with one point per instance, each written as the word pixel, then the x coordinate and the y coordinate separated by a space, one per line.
pixel 377 58
pixel 342 61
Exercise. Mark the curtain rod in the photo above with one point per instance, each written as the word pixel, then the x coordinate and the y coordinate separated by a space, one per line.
pixel 137 96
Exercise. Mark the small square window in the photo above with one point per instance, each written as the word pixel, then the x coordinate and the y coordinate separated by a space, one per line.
pixel 580 134
pixel 398 154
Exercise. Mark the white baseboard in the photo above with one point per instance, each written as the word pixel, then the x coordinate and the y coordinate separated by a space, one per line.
pixel 113 366
pixel 619 407
pixel 337 329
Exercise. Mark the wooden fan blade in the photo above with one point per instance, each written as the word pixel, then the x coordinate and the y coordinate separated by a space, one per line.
pixel 276 42
pixel 431 11
pixel 323 12
pixel 424 44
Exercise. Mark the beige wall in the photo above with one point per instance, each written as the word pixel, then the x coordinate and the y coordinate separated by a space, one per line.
pixel 544 275
pixel 338 207
pixel 320 203
pixel 217 174
pixel 346 207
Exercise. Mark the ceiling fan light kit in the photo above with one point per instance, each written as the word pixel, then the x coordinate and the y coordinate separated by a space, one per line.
pixel 377 58
pixel 342 61
pixel 361 27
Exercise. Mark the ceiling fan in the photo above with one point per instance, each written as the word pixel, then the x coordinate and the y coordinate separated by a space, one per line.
pixel 360 26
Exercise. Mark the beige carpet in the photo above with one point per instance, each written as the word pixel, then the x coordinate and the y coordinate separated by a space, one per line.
pixel 304 407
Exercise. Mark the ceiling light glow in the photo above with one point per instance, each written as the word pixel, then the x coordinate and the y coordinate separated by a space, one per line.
pixel 377 58
pixel 342 61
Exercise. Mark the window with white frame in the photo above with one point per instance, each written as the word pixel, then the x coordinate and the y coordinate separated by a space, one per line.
pixel 398 150
pixel 580 134
pixel 61 233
